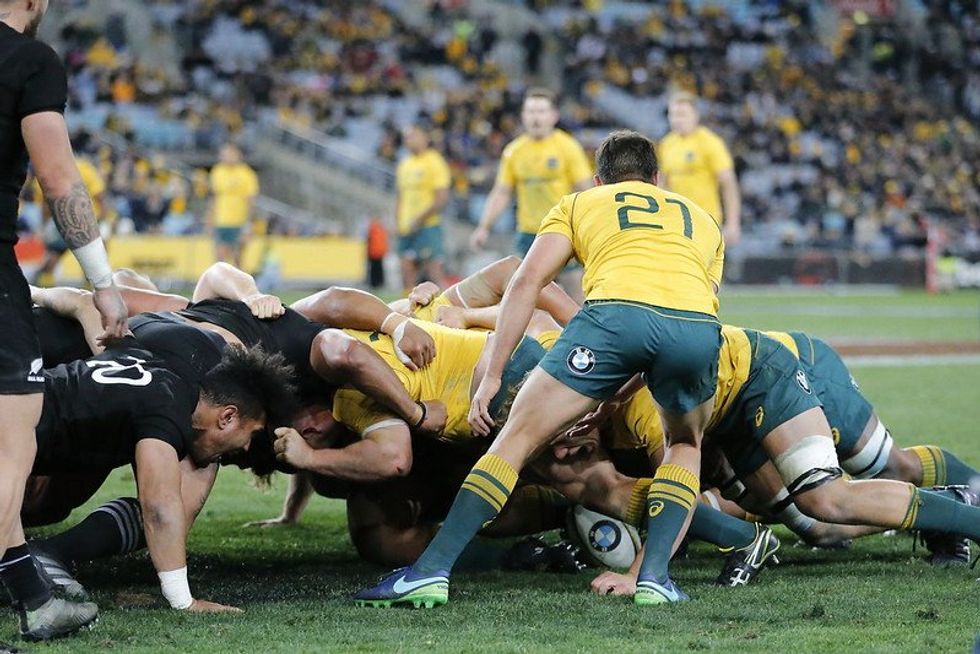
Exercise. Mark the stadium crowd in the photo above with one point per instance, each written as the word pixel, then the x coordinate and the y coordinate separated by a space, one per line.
pixel 866 174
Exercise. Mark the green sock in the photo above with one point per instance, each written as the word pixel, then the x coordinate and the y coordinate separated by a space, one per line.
pixel 482 496
pixel 931 511
pixel 673 494
pixel 941 467
pixel 720 529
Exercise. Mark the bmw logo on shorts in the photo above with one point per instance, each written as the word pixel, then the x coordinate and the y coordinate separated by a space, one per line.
pixel 802 381
pixel 581 360
pixel 604 536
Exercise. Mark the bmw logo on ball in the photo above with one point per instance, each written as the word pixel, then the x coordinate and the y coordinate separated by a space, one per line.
pixel 581 360
pixel 604 536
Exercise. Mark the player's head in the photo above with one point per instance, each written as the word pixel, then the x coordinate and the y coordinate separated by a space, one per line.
pixel 539 113
pixel 32 11
pixel 229 154
pixel 416 139
pixel 682 112
pixel 247 392
pixel 625 155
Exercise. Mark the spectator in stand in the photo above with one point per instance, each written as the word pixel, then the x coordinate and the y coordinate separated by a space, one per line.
pixel 234 186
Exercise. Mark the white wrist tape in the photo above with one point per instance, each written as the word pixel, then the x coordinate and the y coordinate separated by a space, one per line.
pixel 94 261
pixel 384 323
pixel 174 586
pixel 396 338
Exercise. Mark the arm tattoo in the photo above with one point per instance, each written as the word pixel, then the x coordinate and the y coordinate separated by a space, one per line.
pixel 75 217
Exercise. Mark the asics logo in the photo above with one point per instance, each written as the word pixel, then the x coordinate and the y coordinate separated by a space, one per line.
pixel 401 586
pixel 655 508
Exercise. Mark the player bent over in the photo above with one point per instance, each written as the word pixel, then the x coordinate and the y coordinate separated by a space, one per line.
pixel 652 265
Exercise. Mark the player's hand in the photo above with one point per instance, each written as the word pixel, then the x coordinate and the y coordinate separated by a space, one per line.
pixel 264 306
pixel 479 416
pixel 114 314
pixel 203 606
pixel 415 347
pixel 452 316
pixel 613 583
pixel 281 521
pixel 567 447
pixel 733 234
pixel 479 237
pixel 436 416
pixel 422 294
pixel 291 448
pixel 592 420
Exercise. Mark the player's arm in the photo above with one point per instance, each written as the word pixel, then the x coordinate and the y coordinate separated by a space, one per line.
pixel 46 138
pixel 486 288
pixel 439 201
pixel 76 304
pixel 342 360
pixel 349 308
pixel 384 452
pixel 731 202
pixel 498 199
pixel 223 280
pixel 298 495
pixel 165 522
pixel 546 258
pixel 195 487
pixel 139 300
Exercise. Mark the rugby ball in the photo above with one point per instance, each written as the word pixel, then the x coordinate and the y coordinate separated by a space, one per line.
pixel 603 541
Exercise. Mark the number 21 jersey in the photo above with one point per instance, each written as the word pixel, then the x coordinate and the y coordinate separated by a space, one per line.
pixel 640 243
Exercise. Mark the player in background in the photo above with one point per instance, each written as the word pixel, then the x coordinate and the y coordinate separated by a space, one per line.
pixel 543 164
pixel 695 163
pixel 32 127
pixel 422 180
pixel 234 186
pixel 653 263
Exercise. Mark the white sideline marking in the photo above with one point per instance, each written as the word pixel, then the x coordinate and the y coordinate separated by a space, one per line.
pixel 901 360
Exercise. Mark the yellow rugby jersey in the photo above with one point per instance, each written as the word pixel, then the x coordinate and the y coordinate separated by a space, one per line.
pixel 447 378
pixel 641 243
pixel 547 339
pixel 636 425
pixel 692 163
pixel 428 312
pixel 418 178
pixel 786 340
pixel 542 171
pixel 233 186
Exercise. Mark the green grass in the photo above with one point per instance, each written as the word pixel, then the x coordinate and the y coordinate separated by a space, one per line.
pixel 876 597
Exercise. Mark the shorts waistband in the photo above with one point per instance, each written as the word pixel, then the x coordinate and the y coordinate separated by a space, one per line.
pixel 667 312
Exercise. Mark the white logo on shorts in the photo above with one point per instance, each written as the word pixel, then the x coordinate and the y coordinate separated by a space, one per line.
pixel 581 360
pixel 35 374
pixel 802 381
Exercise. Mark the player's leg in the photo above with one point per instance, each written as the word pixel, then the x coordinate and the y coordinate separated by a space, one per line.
pixel 803 453
pixel 485 490
pixel 682 380
pixel 936 466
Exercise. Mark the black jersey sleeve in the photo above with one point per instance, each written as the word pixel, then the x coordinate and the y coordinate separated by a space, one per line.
pixel 45 84
pixel 161 428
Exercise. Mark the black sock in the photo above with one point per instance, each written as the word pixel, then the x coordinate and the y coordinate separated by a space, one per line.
pixel 116 527
pixel 21 579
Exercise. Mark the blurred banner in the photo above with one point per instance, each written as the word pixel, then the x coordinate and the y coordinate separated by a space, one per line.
pixel 290 260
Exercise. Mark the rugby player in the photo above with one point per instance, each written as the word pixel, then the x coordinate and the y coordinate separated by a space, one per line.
pixel 32 127
pixel 543 164
pixel 131 405
pixel 653 262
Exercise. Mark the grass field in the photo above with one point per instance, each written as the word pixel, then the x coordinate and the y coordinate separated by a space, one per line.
pixel 294 582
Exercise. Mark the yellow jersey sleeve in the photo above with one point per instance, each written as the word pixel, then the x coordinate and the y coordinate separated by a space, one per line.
pixel 579 166
pixel 559 219
pixel 359 412
pixel 717 269
pixel 636 424
pixel 505 172
pixel 717 156
pixel 250 182
pixel 428 312
pixel 548 339
pixel 439 171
